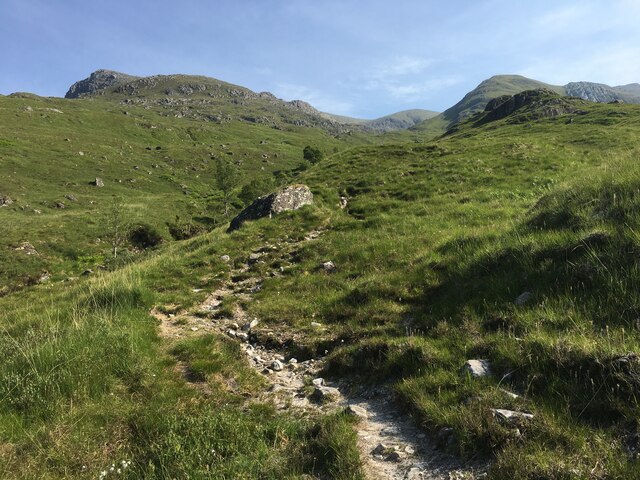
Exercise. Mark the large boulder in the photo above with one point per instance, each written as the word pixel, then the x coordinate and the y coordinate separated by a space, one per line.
pixel 289 198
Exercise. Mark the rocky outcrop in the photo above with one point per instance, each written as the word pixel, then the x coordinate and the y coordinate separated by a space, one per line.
pixel 98 80
pixel 289 198
pixel 541 103
pixel 594 92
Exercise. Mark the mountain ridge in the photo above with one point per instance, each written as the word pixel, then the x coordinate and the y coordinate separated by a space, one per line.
pixel 112 83
pixel 498 85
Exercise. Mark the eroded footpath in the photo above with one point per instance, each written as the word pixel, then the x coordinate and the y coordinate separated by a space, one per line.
pixel 391 445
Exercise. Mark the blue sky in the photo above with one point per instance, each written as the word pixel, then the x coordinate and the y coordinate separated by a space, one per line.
pixel 359 58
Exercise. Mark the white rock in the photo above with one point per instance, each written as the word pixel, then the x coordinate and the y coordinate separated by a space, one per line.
pixel 318 382
pixel 225 258
pixel 277 366
pixel 477 368
pixel 509 416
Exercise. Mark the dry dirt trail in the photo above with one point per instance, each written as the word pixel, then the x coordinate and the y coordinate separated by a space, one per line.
pixel 391 445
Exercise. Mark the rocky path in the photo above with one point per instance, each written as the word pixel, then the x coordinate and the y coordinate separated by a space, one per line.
pixel 391 446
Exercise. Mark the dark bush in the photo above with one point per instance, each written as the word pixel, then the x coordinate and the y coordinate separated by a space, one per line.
pixel 145 236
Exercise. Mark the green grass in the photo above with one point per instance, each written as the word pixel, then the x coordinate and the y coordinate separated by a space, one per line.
pixel 437 241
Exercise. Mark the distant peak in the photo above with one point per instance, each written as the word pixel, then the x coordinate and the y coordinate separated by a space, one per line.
pixel 98 80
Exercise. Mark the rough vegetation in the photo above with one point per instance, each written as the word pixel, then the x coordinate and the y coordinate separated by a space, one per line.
pixel 485 282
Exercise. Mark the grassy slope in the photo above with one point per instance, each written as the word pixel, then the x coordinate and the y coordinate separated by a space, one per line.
pixel 47 155
pixel 437 241
pixel 447 236
pixel 86 383
pixel 476 100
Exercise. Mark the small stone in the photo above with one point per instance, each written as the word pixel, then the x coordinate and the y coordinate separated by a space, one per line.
pixel 225 258
pixel 293 361
pixel 380 449
pixel 409 450
pixel 194 329
pixel 235 326
pixel 277 366
pixel 243 336
pixel 414 474
pixel 232 333
pixel 316 324
pixel 87 272
pixel 98 182
pixel 250 325
pixel 318 382
pixel 356 411
pixel 510 416
pixel 329 267
pixel 523 298
pixel 394 456
pixel 477 368
pixel 325 394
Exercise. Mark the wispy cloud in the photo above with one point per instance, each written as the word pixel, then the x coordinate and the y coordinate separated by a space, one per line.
pixel 317 98
pixel 408 79
pixel 402 66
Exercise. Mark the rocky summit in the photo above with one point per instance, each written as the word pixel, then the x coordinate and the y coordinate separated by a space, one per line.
pixel 98 80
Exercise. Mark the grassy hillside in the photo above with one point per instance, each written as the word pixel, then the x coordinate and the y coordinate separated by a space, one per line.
pixel 396 121
pixel 438 240
pixel 476 100
pixel 161 167
pixel 448 236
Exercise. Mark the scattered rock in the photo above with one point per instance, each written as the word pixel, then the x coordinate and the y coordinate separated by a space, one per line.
pixel 329 266
pixel 277 366
pixel 293 361
pixel 316 324
pixel 477 368
pixel 5 200
pixel 380 449
pixel 344 201
pixel 523 298
pixel 225 258
pixel 27 249
pixel 98 182
pixel 87 272
pixel 325 394
pixel 318 382
pixel 510 416
pixel 232 333
pixel 59 205
pixel 194 329
pixel 44 278
pixel 289 198
pixel 356 411
pixel 242 336
pixel 70 197
pixel 250 325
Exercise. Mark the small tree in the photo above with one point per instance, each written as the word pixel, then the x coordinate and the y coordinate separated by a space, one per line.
pixel 116 225
pixel 312 154
pixel 227 179
pixel 254 189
